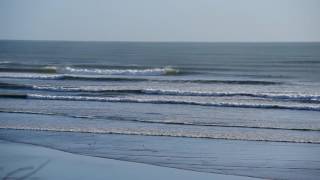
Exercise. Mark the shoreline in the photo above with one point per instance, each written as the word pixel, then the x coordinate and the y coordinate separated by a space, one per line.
pixel 270 160
pixel 20 160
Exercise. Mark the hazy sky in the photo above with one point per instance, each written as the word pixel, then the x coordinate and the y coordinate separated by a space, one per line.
pixel 161 20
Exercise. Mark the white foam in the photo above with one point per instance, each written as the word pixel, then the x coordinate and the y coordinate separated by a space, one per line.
pixel 252 135
pixel 310 97
pixel 5 62
pixel 30 76
pixel 166 101
pixel 135 72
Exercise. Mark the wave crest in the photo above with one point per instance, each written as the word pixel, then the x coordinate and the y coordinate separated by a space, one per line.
pixel 89 77
pixel 311 98
pixel 297 97
pixel 134 72
pixel 167 101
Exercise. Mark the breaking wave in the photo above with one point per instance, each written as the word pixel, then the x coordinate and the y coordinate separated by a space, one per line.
pixel 125 79
pixel 47 70
pixel 163 101
pixel 298 97
pixel 134 72
pixel 5 62
pixel 290 97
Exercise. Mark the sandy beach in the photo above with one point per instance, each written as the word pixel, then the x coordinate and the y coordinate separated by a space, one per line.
pixel 26 161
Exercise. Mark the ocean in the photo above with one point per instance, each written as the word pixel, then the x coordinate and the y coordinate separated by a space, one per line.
pixel 249 109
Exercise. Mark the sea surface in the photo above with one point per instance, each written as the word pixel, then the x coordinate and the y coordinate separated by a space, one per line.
pixel 249 109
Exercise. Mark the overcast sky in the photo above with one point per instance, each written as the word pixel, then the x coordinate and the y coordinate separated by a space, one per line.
pixel 161 20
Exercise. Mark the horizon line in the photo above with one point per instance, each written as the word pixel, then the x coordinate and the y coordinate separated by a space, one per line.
pixel 164 41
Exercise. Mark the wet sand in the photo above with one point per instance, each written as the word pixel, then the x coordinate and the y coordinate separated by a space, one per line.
pixel 26 161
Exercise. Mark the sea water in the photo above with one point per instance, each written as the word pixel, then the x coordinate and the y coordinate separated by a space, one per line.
pixel 181 105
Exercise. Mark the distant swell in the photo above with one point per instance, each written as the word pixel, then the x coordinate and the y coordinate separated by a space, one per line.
pixel 124 79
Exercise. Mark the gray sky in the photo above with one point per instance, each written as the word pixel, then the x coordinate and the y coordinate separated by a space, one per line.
pixel 161 20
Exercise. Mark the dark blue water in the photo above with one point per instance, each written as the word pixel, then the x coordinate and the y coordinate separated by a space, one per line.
pixel 254 92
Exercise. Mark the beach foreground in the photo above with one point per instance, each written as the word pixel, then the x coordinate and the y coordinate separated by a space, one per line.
pixel 28 161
